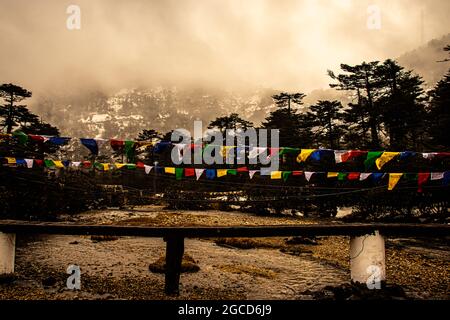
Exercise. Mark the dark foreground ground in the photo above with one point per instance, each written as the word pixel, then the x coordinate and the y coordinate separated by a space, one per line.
pixel 269 268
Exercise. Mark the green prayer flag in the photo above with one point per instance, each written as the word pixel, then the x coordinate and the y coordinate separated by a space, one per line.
pixel 286 175
pixel 372 156
pixel 232 171
pixel 129 150
pixel 49 163
pixel 342 176
pixel 286 150
pixel 179 173
pixel 22 137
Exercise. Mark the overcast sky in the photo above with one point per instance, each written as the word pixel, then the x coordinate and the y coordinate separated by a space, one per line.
pixel 280 44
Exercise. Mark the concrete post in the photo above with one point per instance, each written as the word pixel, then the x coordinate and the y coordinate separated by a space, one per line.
pixel 7 252
pixel 367 260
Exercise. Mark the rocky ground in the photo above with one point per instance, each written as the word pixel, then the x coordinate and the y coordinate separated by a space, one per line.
pixel 269 268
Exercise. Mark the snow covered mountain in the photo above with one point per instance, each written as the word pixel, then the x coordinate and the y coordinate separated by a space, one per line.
pixel 129 111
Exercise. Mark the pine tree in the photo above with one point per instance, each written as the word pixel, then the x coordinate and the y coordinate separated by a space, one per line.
pixel 284 99
pixel 293 127
pixel 365 81
pixel 439 114
pixel 326 120
pixel 12 94
pixel 401 106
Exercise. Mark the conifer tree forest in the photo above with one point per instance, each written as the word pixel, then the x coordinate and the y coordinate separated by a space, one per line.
pixel 390 110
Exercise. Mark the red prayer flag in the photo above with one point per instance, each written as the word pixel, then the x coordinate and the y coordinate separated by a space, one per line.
pixel 422 178
pixel 353 176
pixel 140 165
pixel 189 172
pixel 117 144
pixel 352 154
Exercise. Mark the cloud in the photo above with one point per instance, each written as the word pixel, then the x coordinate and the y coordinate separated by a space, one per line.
pixel 280 44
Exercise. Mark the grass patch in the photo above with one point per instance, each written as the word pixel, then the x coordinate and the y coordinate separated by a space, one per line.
pixel 247 243
pixel 250 270
pixel 188 264
pixel 103 238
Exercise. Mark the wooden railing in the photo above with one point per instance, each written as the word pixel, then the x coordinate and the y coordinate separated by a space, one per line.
pixel 174 236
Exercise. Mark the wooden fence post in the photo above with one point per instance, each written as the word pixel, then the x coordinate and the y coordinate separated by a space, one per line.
pixel 174 257
pixel 7 252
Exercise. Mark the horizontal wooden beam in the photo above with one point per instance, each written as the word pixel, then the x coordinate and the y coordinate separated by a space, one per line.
pixel 329 229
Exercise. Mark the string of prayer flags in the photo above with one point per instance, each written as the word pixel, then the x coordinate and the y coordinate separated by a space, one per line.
pixel 221 172
pixel 406 155
pixel 29 163
pixel 251 173
pixel 353 176
pixel 129 149
pixel 275 175
pixel 372 156
pixel 385 158
pixel 147 169
pixel 338 155
pixel 421 179
pixel 352 154
pixel 304 155
pixel 189 172
pixel 308 175
pixel 59 141
pixel 179 173
pixel 446 178
pixel 170 170
pixel 116 145
pixel 377 176
pixel 332 174
pixel 394 178
pixel 19 135
pixel 198 173
pixel 21 162
pixel 286 175
pixel 90 144
pixel 162 146
pixel 119 165
pixel 255 152
pixel 437 175
pixel 210 174
pixel 287 150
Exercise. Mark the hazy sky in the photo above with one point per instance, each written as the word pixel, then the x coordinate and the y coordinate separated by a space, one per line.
pixel 280 44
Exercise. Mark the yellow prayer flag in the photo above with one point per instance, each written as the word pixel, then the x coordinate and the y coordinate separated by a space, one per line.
pixel 170 170
pixel 394 178
pixel 332 174
pixel 221 172
pixel 119 165
pixel 105 166
pixel 304 154
pixel 275 175
pixel 224 150
pixel 385 158
pixel 11 160
pixel 58 164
